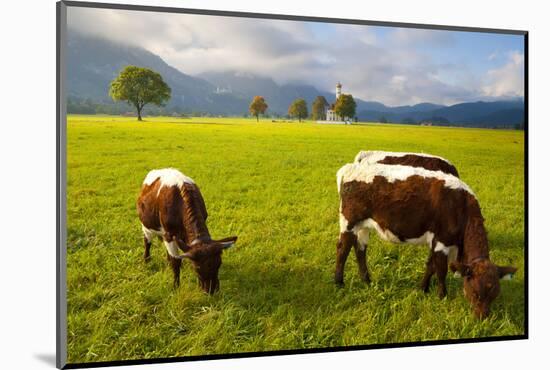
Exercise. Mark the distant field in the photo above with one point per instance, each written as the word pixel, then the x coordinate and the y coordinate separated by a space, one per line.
pixel 273 185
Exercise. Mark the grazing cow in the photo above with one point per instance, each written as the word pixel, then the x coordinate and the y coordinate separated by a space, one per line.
pixel 427 161
pixel 171 207
pixel 413 205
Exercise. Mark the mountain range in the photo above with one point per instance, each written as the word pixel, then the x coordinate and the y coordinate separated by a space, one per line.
pixel 92 63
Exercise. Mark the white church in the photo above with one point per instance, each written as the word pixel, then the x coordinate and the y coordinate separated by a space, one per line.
pixel 331 116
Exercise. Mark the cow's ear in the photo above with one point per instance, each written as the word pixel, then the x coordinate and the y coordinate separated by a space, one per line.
pixel 228 239
pixel 506 272
pixel 226 243
pixel 461 268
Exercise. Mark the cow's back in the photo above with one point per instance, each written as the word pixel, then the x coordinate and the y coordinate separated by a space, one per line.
pixel 420 160
pixel 428 163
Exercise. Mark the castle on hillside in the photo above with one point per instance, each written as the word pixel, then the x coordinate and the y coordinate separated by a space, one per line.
pixel 330 113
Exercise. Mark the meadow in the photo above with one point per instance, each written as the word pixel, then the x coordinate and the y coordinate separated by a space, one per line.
pixel 273 185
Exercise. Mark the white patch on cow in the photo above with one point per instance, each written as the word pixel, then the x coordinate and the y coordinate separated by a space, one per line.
pixel 168 177
pixel 339 179
pixel 150 233
pixel 425 238
pixel 361 230
pixel 450 251
pixel 363 238
pixel 440 247
pixel 172 248
pixel 369 223
pixel 375 156
pixel 343 223
pixel 392 173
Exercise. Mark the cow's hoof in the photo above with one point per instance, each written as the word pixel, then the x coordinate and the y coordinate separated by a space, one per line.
pixel 366 278
pixel 425 286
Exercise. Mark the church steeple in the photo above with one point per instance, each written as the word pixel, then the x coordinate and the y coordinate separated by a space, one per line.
pixel 338 90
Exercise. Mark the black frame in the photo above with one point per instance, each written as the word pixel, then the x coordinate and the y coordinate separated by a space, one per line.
pixel 61 113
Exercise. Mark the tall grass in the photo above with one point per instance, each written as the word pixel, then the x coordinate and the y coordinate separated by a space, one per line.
pixel 273 185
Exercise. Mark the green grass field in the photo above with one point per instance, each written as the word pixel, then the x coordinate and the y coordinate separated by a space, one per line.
pixel 273 185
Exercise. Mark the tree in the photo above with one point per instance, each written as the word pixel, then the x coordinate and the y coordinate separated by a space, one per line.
pixel 298 109
pixel 139 86
pixel 345 106
pixel 258 106
pixel 319 108
pixel 383 119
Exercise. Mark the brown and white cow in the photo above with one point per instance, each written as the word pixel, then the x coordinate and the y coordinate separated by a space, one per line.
pixel 171 207
pixel 423 160
pixel 407 204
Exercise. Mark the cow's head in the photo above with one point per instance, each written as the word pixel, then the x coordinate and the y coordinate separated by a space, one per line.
pixel 481 283
pixel 206 258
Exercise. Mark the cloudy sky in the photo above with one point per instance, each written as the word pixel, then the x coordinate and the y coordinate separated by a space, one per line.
pixel 395 66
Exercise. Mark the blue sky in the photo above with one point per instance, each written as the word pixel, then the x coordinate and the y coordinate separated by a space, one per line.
pixel 482 51
pixel 395 66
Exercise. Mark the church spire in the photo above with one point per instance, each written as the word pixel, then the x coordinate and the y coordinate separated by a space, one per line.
pixel 338 90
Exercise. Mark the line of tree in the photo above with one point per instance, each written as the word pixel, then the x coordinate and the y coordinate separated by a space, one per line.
pixel 138 86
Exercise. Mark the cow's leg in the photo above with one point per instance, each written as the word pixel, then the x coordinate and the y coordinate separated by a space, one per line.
pixel 147 241
pixel 172 250
pixel 441 267
pixel 430 269
pixel 175 263
pixel 147 252
pixel 343 247
pixel 361 253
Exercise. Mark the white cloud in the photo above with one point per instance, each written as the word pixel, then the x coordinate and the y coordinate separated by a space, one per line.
pixel 391 70
pixel 507 80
